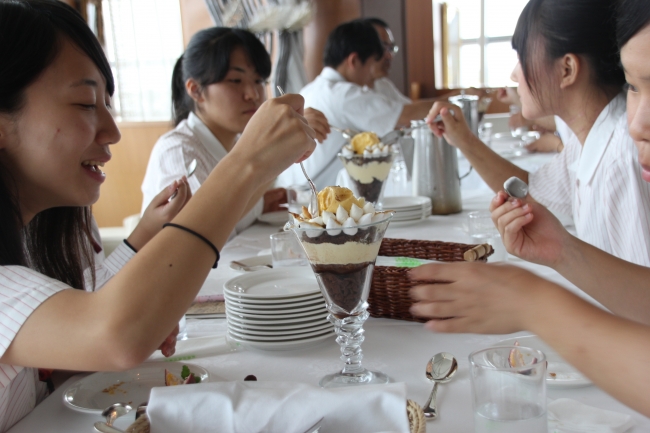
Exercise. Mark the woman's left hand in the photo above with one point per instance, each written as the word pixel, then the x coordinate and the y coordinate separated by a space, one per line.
pixel 479 298
pixel 161 210
pixel 273 198
pixel 168 347
pixel 318 123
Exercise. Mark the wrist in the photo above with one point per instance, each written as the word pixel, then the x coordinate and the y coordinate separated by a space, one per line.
pixel 569 252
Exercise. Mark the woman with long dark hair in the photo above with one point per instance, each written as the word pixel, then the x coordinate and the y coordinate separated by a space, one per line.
pixel 55 134
pixel 495 299
pixel 217 85
pixel 569 67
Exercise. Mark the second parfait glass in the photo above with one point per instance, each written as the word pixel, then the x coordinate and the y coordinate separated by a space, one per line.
pixel 368 175
pixel 343 261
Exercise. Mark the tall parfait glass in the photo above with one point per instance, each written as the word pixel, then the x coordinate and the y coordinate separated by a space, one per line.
pixel 343 261
pixel 368 175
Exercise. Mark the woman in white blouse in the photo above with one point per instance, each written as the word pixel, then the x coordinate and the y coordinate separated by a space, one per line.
pixel 55 132
pixel 612 351
pixel 568 67
pixel 217 86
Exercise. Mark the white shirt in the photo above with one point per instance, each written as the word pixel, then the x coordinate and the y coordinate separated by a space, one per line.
pixel 386 87
pixel 346 105
pixel 172 153
pixel 22 290
pixel 600 184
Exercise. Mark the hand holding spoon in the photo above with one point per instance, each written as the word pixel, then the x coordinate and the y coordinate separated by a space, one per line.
pixel 440 369
pixel 191 168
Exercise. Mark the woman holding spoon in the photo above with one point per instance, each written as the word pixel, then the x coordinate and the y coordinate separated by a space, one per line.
pixel 610 350
pixel 569 67
pixel 217 86
pixel 55 133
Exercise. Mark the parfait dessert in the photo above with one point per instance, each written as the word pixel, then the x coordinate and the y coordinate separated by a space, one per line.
pixel 368 162
pixel 342 244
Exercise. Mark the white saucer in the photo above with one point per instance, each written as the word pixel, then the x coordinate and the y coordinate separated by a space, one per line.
pixel 277 283
pixel 282 345
pixel 96 392
pixel 236 304
pixel 559 373
pixel 280 308
pixel 279 337
pixel 279 314
pixel 300 321
pixel 274 218
pixel 269 303
pixel 405 203
pixel 266 330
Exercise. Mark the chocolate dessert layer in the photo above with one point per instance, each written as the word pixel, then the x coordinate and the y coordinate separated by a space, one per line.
pixel 344 284
pixel 370 191
pixel 365 236
pixel 362 160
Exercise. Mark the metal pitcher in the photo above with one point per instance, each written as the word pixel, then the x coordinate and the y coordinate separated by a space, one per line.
pixel 469 106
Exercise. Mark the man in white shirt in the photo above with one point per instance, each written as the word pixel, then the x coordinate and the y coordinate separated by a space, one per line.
pixel 341 91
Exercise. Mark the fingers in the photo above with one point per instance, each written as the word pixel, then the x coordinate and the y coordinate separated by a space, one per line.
pixel 293 100
pixel 498 200
pixel 318 122
pixel 183 194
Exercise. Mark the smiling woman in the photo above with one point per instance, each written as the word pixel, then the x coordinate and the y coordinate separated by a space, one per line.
pixel 55 133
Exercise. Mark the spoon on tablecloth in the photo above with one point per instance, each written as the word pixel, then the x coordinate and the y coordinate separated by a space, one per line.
pixel 440 369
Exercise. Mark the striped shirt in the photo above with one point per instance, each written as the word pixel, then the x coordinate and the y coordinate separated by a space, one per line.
pixel 173 152
pixel 600 185
pixel 22 290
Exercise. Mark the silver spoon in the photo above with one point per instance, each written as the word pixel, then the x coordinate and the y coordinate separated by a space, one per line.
pixel 516 187
pixel 346 133
pixel 239 266
pixel 115 411
pixel 313 202
pixel 395 135
pixel 191 168
pixel 440 369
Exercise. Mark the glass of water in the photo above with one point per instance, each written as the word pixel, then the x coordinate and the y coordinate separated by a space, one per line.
pixel 286 250
pixel 509 390
pixel 482 230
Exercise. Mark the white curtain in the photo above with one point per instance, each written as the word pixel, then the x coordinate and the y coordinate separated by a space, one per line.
pixel 279 25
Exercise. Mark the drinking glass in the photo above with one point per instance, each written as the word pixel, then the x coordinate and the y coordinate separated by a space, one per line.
pixel 509 399
pixel 286 250
pixel 368 175
pixel 482 230
pixel 343 261
pixel 297 197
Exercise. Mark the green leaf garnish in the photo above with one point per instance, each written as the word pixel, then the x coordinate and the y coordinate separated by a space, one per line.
pixel 185 372
pixel 197 379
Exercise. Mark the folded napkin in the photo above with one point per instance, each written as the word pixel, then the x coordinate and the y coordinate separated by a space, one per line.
pixel 567 415
pixel 195 348
pixel 251 407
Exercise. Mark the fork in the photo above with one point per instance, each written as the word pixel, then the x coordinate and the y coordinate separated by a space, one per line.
pixel 313 201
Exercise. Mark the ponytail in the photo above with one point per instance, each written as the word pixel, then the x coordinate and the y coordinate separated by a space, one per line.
pixel 182 104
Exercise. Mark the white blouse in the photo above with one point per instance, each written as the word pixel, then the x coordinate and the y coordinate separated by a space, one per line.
pixel 345 105
pixel 22 290
pixel 600 185
pixel 171 155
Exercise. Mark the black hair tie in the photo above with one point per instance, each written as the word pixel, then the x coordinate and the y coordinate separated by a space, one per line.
pixel 203 238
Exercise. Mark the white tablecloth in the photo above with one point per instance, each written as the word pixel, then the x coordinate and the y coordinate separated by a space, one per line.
pixel 399 349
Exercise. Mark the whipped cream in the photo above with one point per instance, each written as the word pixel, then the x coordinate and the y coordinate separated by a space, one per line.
pixel 366 144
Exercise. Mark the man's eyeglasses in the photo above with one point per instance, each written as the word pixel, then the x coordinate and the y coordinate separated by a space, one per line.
pixel 390 47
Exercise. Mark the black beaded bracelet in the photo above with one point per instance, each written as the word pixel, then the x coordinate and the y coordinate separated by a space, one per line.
pixel 203 238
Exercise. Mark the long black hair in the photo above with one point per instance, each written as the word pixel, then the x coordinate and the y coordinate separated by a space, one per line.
pixel 57 241
pixel 207 60
pixel 632 17
pixel 558 27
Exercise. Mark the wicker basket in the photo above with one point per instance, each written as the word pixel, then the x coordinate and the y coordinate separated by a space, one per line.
pixel 389 293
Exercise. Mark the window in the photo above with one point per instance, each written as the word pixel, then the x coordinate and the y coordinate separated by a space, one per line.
pixel 476 46
pixel 143 40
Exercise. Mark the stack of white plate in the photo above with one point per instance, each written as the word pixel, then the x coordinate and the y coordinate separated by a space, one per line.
pixel 408 209
pixel 276 309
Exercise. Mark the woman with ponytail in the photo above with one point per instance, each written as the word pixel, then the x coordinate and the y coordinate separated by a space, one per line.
pixel 217 85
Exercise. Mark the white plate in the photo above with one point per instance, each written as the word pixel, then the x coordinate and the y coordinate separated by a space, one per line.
pixel 268 330
pixel 282 345
pixel 277 283
pixel 297 317
pixel 266 259
pixel 278 337
pixel 408 216
pixel 305 321
pixel 96 392
pixel 274 218
pixel 273 325
pixel 405 203
pixel 272 304
pixel 280 309
pixel 566 376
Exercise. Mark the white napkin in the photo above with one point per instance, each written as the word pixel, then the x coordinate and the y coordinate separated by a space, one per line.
pixel 287 407
pixel 196 347
pixel 567 415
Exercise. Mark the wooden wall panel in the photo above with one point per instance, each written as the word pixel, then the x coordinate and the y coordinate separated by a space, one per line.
pixel 194 17
pixel 329 14
pixel 120 193
pixel 419 45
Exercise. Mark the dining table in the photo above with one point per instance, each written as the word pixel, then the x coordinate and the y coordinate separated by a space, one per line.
pixel 399 348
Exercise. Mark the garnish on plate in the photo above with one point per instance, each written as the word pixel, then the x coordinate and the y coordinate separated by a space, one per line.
pixel 186 377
